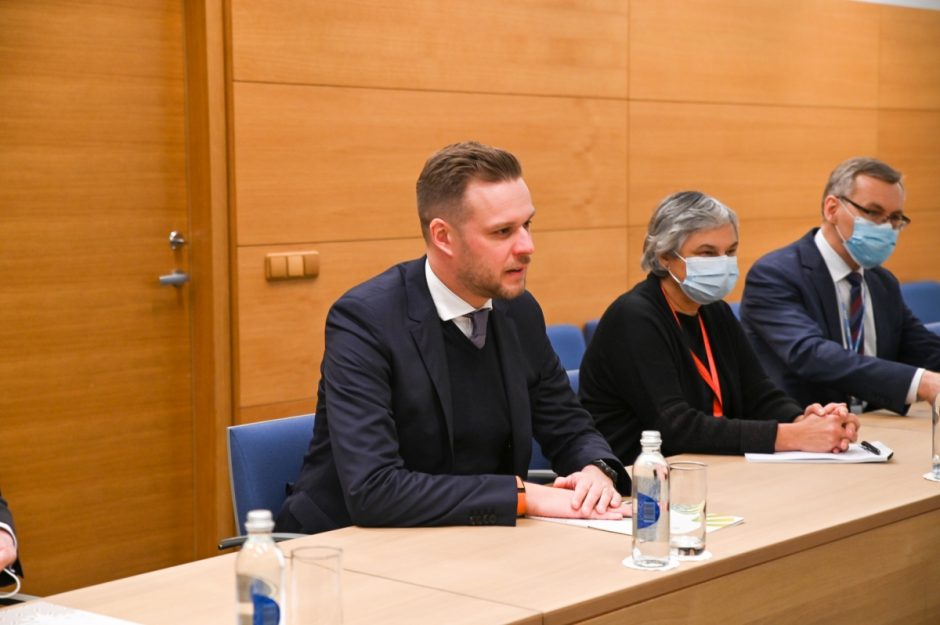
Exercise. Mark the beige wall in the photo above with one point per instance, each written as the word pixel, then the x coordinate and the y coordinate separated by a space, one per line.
pixel 610 105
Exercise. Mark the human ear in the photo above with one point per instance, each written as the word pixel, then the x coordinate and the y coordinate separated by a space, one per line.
pixel 441 236
pixel 830 208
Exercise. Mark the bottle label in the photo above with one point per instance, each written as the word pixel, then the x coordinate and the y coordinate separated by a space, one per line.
pixel 266 610
pixel 647 511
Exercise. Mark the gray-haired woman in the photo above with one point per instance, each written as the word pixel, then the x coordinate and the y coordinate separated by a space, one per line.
pixel 669 355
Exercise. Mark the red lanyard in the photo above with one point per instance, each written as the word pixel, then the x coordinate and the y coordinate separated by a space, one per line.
pixel 710 374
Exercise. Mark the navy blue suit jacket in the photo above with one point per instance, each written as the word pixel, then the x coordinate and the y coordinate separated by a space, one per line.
pixel 791 316
pixel 382 450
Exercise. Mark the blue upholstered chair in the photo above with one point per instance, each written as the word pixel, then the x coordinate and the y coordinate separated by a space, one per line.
pixel 263 458
pixel 540 469
pixel 574 379
pixel 589 328
pixel 568 342
pixel 923 298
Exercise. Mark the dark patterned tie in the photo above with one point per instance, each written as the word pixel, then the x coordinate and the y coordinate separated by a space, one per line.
pixel 478 319
pixel 856 313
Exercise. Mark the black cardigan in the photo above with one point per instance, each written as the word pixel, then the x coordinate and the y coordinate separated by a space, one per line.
pixel 637 374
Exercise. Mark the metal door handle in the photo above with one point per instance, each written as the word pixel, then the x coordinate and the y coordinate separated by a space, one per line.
pixel 177 240
pixel 177 278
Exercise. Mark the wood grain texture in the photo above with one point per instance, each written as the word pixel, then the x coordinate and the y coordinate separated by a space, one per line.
pixel 327 164
pixel 281 324
pixel 805 53
pixel 764 162
pixel 909 59
pixel 910 141
pixel 207 149
pixel 576 274
pixel 203 593
pixel 808 518
pixel 807 588
pixel 95 371
pixel 810 532
pixel 493 46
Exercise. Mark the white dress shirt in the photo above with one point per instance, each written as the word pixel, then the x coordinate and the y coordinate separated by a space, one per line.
pixel 839 271
pixel 449 305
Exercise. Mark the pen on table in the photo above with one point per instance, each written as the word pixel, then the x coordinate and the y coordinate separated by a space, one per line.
pixel 871 448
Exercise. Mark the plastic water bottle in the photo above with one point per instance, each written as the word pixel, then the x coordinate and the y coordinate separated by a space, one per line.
pixel 259 572
pixel 650 504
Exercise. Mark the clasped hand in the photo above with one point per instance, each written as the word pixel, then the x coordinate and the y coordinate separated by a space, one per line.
pixel 828 428
pixel 586 494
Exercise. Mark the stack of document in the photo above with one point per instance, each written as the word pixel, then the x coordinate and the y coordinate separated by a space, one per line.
pixel 855 453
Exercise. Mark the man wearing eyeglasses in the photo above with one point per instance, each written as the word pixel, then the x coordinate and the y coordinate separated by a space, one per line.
pixel 826 319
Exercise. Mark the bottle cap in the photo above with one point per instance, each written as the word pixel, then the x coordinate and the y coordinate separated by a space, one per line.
pixel 650 437
pixel 259 521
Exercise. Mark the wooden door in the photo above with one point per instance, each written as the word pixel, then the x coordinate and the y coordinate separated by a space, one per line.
pixel 96 399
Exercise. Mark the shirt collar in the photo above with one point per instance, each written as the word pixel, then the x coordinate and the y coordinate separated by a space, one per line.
pixel 449 305
pixel 837 267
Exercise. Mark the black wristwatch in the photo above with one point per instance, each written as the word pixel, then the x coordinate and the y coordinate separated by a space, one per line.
pixel 607 469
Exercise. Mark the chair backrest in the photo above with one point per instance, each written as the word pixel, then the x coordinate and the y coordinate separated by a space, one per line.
pixel 568 343
pixel 923 298
pixel 933 327
pixel 589 328
pixel 263 458
pixel 574 379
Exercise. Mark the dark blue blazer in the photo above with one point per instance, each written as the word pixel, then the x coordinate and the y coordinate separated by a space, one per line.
pixel 7 517
pixel 382 450
pixel 791 316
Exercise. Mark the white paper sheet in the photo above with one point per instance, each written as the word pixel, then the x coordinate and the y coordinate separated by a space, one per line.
pixel 625 526
pixel 856 453
pixel 44 613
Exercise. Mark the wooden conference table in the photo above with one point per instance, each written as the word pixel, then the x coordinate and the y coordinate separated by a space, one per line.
pixel 820 544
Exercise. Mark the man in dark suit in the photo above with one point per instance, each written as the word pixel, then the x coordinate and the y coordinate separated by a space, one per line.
pixel 827 321
pixel 8 557
pixel 438 372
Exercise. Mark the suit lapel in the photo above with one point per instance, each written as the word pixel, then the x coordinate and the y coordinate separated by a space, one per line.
pixel 426 331
pixel 517 398
pixel 817 274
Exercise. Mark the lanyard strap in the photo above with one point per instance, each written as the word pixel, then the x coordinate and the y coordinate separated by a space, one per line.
pixel 710 374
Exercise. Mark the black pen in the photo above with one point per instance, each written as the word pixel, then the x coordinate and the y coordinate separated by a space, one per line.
pixel 871 448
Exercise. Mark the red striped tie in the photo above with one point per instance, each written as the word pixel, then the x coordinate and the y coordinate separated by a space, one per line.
pixel 856 313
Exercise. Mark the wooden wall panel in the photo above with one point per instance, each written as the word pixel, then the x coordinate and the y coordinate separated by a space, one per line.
pixel 281 342
pixel 576 274
pixel 96 415
pixel 910 141
pixel 328 164
pixel 809 52
pixel 489 46
pixel 909 59
pixel 281 324
pixel 764 162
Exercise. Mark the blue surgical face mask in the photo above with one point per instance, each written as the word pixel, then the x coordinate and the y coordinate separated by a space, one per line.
pixel 870 245
pixel 708 278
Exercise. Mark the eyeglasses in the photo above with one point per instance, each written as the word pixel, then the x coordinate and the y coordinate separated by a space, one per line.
pixel 898 220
